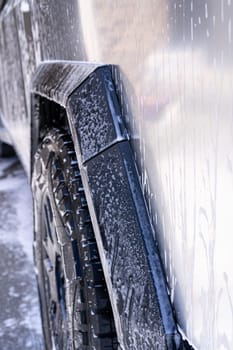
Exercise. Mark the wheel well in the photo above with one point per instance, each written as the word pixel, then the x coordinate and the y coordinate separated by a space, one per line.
pixel 46 114
pixel 51 115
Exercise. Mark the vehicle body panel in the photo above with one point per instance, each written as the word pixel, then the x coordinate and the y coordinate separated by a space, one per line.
pixel 174 81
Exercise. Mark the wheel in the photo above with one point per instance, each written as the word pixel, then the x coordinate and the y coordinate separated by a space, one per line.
pixel 75 307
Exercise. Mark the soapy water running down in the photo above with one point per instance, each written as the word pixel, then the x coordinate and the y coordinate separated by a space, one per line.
pixel 19 314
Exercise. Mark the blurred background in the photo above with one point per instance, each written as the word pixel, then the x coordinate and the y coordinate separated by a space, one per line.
pixel 20 326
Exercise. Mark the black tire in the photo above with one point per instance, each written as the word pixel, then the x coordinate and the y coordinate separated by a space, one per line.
pixel 75 307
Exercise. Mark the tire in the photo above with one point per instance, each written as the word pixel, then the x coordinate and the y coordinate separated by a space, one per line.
pixel 75 307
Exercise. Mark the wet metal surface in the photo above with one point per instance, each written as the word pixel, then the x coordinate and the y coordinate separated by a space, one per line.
pixel 175 84
pixel 20 326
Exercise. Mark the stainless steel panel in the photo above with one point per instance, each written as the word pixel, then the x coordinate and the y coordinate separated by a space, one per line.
pixel 175 60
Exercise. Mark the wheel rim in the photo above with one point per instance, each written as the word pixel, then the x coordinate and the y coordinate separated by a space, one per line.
pixel 54 279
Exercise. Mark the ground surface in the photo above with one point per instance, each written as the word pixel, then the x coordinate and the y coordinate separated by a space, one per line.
pixel 20 326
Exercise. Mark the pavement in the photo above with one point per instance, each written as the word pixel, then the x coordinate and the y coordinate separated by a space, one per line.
pixel 20 325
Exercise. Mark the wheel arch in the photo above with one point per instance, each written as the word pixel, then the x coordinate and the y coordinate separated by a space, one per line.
pixel 64 91
pixel 53 82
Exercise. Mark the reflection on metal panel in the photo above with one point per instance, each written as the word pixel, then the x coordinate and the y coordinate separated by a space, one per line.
pixel 14 107
pixel 175 60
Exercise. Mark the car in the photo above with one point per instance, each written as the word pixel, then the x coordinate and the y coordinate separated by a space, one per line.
pixel 121 114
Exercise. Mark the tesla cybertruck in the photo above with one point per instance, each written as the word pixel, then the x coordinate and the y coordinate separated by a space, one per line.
pixel 121 114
